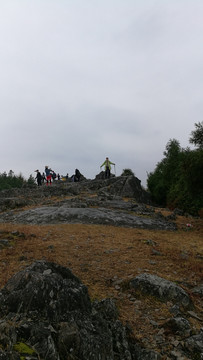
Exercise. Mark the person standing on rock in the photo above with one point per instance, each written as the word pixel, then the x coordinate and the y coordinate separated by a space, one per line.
pixel 77 175
pixel 107 163
pixel 48 173
pixel 38 177
pixel 43 177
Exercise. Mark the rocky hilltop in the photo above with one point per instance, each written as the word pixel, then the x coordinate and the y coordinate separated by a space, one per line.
pixel 46 311
pixel 92 202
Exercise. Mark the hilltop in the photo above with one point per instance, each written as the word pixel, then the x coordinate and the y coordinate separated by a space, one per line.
pixel 122 248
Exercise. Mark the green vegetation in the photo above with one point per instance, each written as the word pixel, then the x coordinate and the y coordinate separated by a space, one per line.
pixel 23 349
pixel 196 137
pixel 10 180
pixel 177 178
pixel 127 172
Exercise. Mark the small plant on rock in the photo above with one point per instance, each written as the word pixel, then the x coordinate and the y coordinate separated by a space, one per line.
pixel 127 172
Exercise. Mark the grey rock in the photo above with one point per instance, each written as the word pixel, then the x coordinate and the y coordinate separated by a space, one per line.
pixel 163 289
pixel 4 243
pixel 107 208
pixel 194 315
pixel 144 354
pixel 65 214
pixel 178 212
pixel 156 252
pixel 198 290
pixel 178 325
pixel 194 344
pixel 30 290
pixel 47 308
pixel 150 242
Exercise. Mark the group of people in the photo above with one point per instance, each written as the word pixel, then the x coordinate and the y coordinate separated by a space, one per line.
pixel 48 175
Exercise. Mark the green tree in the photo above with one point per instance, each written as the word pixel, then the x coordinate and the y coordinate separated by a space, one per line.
pixel 187 192
pixel 177 179
pixel 196 137
pixel 165 174
pixel 31 181
pixel 11 180
pixel 157 185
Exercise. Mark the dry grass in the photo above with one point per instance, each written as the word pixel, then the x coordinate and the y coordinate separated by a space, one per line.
pixel 105 258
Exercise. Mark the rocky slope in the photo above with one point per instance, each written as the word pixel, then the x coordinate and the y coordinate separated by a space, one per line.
pixel 106 207
pixel 46 311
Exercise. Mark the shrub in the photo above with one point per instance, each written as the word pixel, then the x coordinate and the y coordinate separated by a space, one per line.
pixel 127 172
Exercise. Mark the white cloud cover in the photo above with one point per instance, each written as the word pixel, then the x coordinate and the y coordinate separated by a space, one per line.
pixel 82 80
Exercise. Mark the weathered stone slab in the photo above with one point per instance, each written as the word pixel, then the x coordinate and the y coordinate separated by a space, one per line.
pixel 163 289
pixel 65 214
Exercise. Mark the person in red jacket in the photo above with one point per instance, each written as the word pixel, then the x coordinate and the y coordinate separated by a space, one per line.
pixel 48 173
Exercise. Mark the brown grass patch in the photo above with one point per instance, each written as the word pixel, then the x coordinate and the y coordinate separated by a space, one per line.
pixel 105 258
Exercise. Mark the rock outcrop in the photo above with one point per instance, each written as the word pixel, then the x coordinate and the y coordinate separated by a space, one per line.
pixel 120 186
pixel 46 313
pixel 63 213
pixel 106 207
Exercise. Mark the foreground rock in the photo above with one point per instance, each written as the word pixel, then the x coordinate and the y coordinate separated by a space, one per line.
pixel 162 289
pixel 46 313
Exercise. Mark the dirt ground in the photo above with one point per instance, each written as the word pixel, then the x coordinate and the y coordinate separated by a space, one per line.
pixel 105 258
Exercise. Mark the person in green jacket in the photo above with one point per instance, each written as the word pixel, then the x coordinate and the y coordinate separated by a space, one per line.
pixel 107 163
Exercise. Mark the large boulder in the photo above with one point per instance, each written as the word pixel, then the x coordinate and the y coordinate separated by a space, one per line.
pixel 132 188
pixel 49 290
pixel 125 186
pixel 163 289
pixel 46 313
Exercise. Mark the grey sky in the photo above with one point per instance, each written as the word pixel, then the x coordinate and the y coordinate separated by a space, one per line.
pixel 82 80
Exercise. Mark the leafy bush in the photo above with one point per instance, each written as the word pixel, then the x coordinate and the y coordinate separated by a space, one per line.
pixel 127 172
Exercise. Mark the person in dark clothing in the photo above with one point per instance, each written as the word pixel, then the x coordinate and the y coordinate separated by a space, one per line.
pixel 54 176
pixel 77 175
pixel 43 177
pixel 39 178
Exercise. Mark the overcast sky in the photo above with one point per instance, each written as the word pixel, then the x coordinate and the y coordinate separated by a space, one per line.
pixel 84 79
